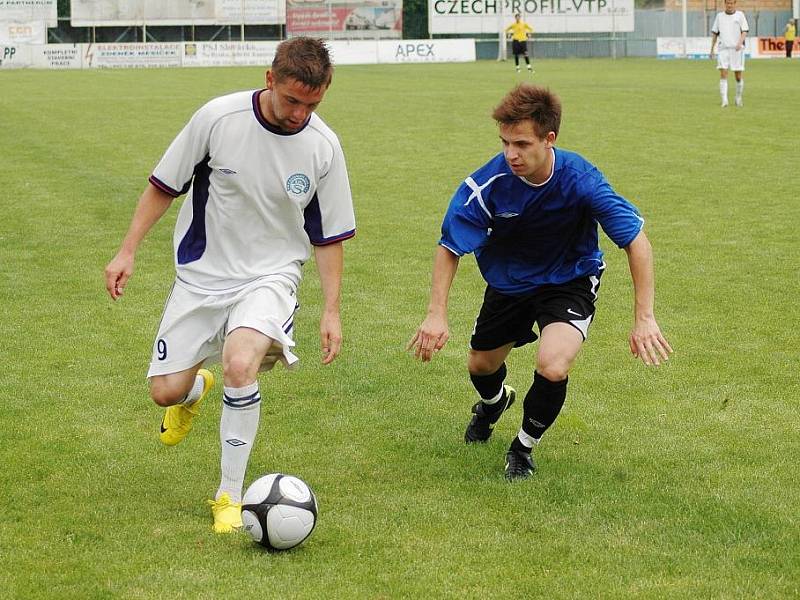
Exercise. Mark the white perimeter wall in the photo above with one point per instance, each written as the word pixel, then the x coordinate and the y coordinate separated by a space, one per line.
pixel 216 54
pixel 698 47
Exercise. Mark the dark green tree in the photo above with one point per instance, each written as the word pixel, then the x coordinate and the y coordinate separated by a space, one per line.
pixel 415 19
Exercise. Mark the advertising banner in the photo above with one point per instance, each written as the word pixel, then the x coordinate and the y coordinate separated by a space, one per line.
pixel 383 18
pixel 132 56
pixel 25 11
pixel 224 54
pixel 672 47
pixel 58 56
pixel 544 16
pixel 420 51
pixel 15 57
pixel 771 47
pixel 87 13
pixel 370 52
pixel 696 47
pixel 256 12
pixel 34 32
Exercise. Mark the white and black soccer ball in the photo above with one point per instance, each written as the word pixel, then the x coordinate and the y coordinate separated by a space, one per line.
pixel 279 511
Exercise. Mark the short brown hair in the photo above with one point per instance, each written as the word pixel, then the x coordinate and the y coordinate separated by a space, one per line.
pixel 530 102
pixel 304 59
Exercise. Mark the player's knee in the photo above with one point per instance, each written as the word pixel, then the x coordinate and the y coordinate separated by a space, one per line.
pixel 480 363
pixel 553 369
pixel 164 394
pixel 238 370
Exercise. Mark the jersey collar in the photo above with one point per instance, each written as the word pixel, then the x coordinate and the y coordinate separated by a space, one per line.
pixel 266 124
pixel 549 177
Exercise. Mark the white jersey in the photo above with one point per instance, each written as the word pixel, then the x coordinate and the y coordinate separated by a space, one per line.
pixel 258 197
pixel 729 28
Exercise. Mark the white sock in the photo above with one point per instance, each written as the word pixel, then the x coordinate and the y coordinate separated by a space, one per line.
pixel 496 399
pixel 238 426
pixel 739 89
pixel 527 440
pixel 195 392
pixel 723 89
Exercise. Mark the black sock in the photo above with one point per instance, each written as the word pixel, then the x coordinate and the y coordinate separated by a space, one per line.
pixel 518 446
pixel 542 404
pixel 488 386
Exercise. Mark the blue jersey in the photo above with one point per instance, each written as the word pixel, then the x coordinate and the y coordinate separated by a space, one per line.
pixel 525 235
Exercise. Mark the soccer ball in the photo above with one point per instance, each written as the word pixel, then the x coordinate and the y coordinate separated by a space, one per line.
pixel 279 511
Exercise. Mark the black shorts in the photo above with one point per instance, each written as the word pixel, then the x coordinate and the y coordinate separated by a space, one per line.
pixel 504 319
pixel 518 47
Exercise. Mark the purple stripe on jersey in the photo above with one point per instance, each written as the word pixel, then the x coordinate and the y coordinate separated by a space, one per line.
pixel 313 225
pixel 193 244
pixel 313 220
pixel 266 124
pixel 337 238
pixel 288 328
pixel 164 187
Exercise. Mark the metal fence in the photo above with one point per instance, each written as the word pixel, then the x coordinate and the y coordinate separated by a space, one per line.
pixel 649 24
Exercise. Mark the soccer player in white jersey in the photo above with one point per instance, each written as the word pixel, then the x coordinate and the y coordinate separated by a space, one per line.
pixel 530 215
pixel 266 181
pixel 730 28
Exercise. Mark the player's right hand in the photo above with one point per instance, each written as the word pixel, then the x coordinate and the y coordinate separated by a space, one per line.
pixel 430 337
pixel 117 273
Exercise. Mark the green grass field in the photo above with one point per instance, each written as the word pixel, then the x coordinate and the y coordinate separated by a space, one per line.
pixel 678 482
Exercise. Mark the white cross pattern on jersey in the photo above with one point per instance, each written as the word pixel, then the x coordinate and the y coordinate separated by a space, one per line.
pixel 476 192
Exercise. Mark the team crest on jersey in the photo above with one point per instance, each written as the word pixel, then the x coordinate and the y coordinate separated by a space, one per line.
pixel 298 184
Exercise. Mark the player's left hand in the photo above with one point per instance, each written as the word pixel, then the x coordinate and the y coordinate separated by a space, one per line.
pixel 330 336
pixel 648 343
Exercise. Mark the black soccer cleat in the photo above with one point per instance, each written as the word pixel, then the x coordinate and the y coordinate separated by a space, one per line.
pixel 519 465
pixel 479 429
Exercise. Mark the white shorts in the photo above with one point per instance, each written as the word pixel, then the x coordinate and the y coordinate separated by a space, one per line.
pixel 193 326
pixel 730 59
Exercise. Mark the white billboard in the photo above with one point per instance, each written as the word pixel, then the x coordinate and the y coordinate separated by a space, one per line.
pixel 256 12
pixel 88 13
pixel 25 11
pixel 343 18
pixel 13 32
pixel 544 16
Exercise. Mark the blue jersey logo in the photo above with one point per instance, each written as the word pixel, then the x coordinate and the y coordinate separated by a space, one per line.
pixel 298 184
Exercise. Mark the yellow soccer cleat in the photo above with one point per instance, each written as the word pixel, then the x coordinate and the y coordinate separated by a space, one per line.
pixel 227 514
pixel 177 421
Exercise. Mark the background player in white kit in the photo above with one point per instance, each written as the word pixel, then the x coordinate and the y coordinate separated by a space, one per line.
pixel 266 180
pixel 731 28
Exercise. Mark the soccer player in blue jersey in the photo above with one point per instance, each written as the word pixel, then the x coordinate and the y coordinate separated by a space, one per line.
pixel 266 182
pixel 530 216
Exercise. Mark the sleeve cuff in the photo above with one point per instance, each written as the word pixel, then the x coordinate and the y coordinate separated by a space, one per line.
pixel 332 240
pixel 163 186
